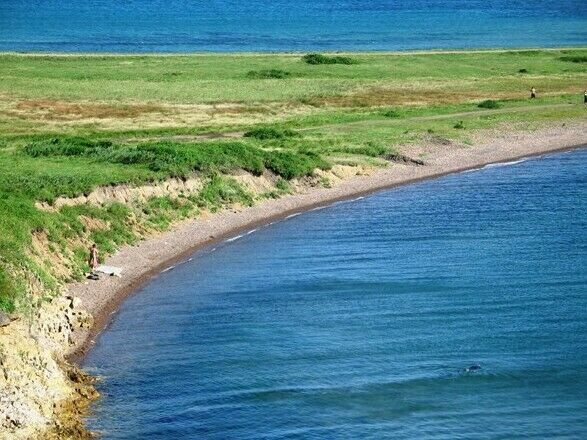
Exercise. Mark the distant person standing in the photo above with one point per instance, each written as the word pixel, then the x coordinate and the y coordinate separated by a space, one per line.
pixel 585 97
pixel 93 260
pixel 532 93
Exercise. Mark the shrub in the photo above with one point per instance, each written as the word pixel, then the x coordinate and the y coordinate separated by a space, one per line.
pixel 459 125
pixel 523 71
pixel 391 114
pixel 221 190
pixel 317 58
pixel 575 59
pixel 289 165
pixel 265 133
pixel 370 149
pixel 489 103
pixel 67 147
pixel 282 185
pixel 268 74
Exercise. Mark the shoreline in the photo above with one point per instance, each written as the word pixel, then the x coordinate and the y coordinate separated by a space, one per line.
pixel 399 52
pixel 154 255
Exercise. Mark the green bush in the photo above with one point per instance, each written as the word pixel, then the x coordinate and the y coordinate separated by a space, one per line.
pixel 268 74
pixel 523 71
pixel 7 292
pixel 459 125
pixel 289 165
pixel 574 59
pixel 222 190
pixel 282 185
pixel 67 147
pixel 317 58
pixel 265 133
pixel 489 103
pixel 170 158
pixel 370 149
pixel 391 114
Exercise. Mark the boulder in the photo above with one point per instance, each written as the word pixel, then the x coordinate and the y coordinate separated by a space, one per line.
pixel 4 319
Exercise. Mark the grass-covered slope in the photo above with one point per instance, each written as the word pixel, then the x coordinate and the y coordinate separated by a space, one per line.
pixel 70 124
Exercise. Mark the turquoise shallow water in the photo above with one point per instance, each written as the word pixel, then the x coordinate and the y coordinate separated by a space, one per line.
pixel 357 321
pixel 281 25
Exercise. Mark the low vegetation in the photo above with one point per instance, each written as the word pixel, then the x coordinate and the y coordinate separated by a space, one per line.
pixel 575 59
pixel 264 133
pixel 268 74
pixel 317 58
pixel 391 114
pixel 489 103
pixel 133 120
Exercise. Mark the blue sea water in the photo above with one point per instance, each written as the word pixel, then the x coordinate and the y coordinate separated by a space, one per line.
pixel 283 25
pixel 357 321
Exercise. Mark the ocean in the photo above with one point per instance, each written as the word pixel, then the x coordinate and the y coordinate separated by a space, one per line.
pixel 361 320
pixel 279 25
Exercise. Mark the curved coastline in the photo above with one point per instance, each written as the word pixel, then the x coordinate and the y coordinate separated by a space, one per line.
pixel 160 253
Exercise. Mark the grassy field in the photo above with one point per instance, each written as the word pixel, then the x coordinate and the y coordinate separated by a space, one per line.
pixel 70 124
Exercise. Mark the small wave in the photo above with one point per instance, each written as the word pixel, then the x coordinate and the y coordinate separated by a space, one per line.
pixel 295 214
pixel 251 231
pixel 236 237
pixel 504 164
pixel 168 269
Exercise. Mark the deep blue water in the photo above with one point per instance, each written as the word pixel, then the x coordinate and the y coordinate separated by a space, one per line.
pixel 356 321
pixel 280 25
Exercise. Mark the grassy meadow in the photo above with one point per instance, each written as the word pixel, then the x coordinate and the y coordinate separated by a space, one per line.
pixel 72 123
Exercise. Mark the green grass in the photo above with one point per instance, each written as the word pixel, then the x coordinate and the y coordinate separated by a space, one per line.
pixel 221 78
pixel 70 124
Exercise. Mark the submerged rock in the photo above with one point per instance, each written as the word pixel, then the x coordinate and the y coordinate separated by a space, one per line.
pixel 472 368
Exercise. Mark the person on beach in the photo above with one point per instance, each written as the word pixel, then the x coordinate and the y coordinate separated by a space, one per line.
pixel 93 260
pixel 532 93
pixel 585 97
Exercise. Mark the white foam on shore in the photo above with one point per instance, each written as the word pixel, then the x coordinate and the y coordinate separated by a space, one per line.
pixel 295 214
pixel 504 164
pixel 236 237
pixel 168 269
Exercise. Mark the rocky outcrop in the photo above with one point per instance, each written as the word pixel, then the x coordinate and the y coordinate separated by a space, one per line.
pixel 41 395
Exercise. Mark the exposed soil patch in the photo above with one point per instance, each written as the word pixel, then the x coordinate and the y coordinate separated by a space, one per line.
pixel 383 96
pixel 53 109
